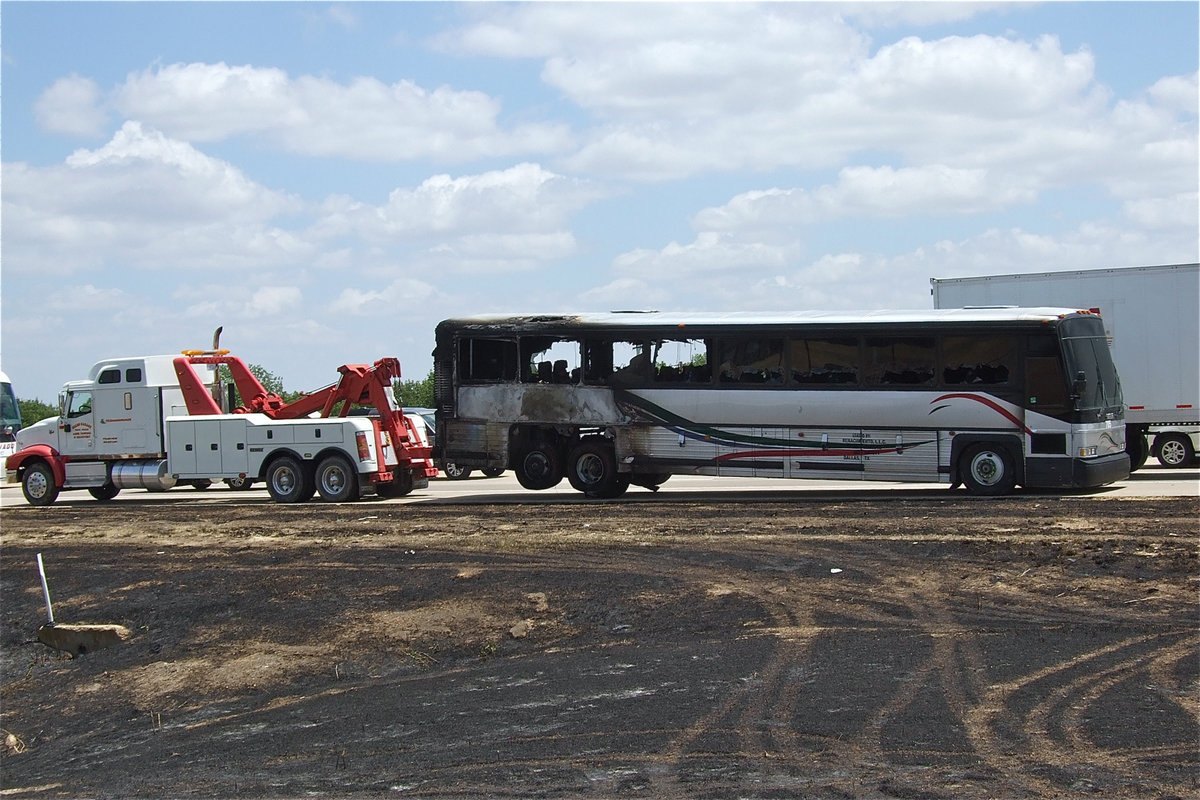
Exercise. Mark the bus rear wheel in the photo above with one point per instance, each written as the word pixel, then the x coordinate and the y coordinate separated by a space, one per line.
pixel 987 470
pixel 539 467
pixel 592 469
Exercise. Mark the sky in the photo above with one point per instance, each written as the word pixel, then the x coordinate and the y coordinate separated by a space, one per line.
pixel 328 181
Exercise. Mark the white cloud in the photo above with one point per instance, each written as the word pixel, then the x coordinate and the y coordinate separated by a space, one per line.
pixel 72 106
pixel 364 119
pixel 503 220
pixel 146 201
pixel 871 192
pixel 1178 92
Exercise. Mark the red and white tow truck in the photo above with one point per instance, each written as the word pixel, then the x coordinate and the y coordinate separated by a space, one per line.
pixel 152 422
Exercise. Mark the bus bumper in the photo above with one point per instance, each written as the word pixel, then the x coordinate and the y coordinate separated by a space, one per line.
pixel 1076 473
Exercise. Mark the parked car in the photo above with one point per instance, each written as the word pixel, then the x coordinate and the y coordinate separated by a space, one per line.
pixel 1175 446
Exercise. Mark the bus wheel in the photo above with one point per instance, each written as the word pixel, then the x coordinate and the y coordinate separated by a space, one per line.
pixel 288 481
pixel 539 467
pixel 987 470
pixel 38 484
pixel 592 469
pixel 336 480
pixel 104 493
pixel 1174 450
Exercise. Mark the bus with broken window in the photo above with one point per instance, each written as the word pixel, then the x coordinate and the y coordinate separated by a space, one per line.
pixel 990 399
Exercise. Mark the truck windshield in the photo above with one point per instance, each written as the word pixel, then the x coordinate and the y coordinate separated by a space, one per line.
pixel 1088 355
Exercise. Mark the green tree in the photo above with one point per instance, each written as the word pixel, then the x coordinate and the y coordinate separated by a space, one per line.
pixel 415 394
pixel 35 410
pixel 270 381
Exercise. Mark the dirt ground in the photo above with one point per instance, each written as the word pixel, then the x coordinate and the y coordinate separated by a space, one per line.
pixel 1028 647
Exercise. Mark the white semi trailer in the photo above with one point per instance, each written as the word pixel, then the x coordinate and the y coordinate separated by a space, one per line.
pixel 1152 319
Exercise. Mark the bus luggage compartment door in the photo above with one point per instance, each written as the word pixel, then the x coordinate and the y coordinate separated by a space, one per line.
pixel 900 455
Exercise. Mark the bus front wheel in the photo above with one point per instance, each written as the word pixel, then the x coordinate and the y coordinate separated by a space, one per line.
pixel 539 467
pixel 592 469
pixel 987 470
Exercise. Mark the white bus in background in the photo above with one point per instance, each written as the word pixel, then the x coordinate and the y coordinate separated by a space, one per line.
pixel 992 398
pixel 1152 320
pixel 10 417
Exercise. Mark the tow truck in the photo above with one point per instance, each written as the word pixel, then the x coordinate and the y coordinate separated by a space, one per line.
pixel 152 422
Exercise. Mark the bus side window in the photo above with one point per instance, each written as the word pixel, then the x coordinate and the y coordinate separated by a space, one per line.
pixel 487 360
pixel 900 360
pixel 758 361
pixel 682 361
pixel 824 361
pixel 549 360
pixel 631 363
pixel 597 361
pixel 977 360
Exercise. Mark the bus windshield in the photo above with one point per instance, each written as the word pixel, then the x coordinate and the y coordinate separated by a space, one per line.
pixel 10 412
pixel 1088 356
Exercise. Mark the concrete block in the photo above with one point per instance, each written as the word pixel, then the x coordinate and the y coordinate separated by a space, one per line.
pixel 80 639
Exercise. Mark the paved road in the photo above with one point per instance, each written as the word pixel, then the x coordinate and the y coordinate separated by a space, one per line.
pixel 1147 482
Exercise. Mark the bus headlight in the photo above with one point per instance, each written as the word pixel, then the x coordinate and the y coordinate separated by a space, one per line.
pixel 1086 452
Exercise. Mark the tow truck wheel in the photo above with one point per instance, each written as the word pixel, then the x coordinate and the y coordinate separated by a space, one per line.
pixel 38 484
pixel 288 481
pixel 337 482
pixel 239 484
pixel 104 493
pixel 492 472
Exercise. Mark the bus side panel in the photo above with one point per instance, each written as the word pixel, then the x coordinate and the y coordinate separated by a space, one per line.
pixel 825 453
pixel 539 403
pixel 910 455
pixel 752 452
pixel 659 448
pixel 468 441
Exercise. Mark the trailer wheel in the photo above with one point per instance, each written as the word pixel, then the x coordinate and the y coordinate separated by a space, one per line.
pixel 337 481
pixel 1174 450
pixel 592 469
pixel 987 470
pixel 1135 446
pixel 539 467
pixel 37 484
pixel 104 493
pixel 289 481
